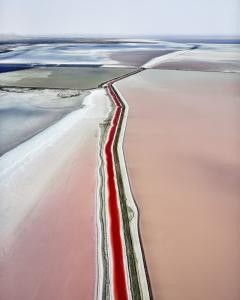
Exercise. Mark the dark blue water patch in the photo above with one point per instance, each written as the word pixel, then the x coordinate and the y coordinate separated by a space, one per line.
pixel 17 67
pixel 194 47
pixel 14 67
pixel 67 65
pixel 54 40
pixel 6 51
pixel 122 40
pixel 72 65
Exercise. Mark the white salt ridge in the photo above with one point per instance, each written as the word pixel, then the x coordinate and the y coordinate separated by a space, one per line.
pixel 229 55
pixel 167 57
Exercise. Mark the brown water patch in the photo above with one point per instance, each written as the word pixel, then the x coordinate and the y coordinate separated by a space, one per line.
pixel 138 58
pixel 182 152
pixel 191 65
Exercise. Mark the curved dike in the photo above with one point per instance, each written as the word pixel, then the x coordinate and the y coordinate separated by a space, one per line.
pixel 126 267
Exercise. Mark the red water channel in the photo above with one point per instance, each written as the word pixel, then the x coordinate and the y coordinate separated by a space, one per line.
pixel 119 276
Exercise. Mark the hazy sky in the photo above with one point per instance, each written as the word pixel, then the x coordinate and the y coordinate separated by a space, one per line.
pixel 163 17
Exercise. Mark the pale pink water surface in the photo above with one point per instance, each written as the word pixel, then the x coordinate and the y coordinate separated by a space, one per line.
pixel 54 256
pixel 182 153
pixel 48 210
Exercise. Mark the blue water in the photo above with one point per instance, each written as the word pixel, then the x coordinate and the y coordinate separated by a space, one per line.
pixel 13 67
pixel 78 53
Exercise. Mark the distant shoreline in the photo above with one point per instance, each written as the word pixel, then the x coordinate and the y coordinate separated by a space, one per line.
pixel 31 39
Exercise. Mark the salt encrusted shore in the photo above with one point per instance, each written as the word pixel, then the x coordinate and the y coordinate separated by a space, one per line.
pixel 122 271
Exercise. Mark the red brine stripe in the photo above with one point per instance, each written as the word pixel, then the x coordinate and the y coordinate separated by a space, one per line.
pixel 119 277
